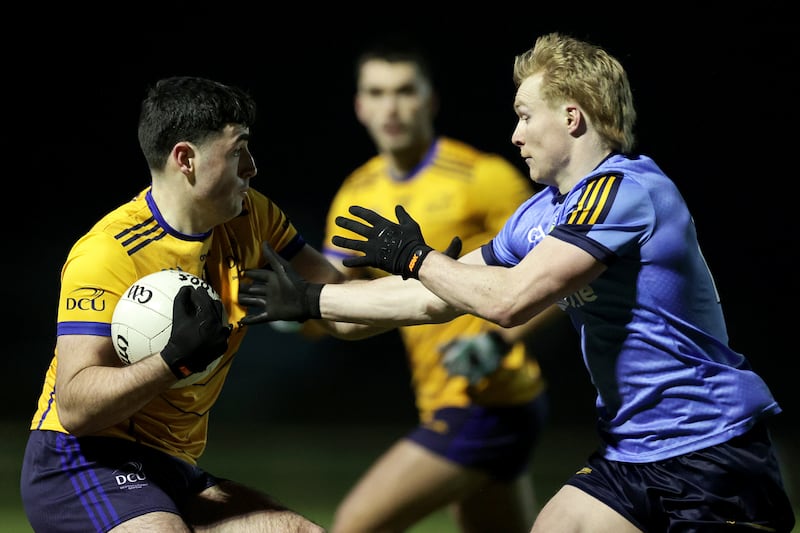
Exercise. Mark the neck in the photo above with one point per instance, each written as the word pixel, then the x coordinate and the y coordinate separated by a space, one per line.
pixel 404 160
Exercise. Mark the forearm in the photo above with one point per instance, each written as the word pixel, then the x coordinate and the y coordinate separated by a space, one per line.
pixel 101 396
pixel 384 303
pixel 490 292
pixel 511 296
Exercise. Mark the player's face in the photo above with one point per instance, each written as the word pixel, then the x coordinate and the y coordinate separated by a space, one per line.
pixel 223 169
pixel 395 104
pixel 541 134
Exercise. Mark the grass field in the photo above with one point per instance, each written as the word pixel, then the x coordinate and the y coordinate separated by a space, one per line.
pixel 310 468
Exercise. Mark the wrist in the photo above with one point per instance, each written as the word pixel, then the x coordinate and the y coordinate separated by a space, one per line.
pixel 173 361
pixel 313 292
pixel 414 262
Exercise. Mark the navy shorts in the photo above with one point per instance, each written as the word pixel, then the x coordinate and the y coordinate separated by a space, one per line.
pixel 96 483
pixel 497 440
pixel 734 486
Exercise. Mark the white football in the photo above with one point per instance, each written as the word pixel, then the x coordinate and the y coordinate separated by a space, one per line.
pixel 142 320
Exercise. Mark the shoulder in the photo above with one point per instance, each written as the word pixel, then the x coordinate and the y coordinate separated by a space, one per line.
pixel 118 226
pixel 370 171
pixel 261 219
pixel 465 155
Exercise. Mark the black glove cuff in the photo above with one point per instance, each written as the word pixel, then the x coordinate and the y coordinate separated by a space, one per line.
pixel 414 261
pixel 313 292
pixel 174 362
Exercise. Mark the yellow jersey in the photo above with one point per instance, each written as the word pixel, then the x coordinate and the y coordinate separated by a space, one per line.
pixel 456 190
pixel 130 242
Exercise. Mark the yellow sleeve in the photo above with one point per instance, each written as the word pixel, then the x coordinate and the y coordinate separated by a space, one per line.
pixel 500 188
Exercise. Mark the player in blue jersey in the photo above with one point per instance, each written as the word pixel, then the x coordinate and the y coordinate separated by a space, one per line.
pixel 115 447
pixel 682 418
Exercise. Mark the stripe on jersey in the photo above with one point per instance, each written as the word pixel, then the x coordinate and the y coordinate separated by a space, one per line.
pixel 596 200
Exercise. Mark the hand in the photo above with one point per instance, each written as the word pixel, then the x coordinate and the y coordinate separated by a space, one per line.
pixel 198 334
pixel 397 248
pixel 278 293
pixel 474 357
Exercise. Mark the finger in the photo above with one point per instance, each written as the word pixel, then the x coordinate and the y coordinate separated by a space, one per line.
pixel 355 262
pixel 258 318
pixel 251 301
pixel 259 274
pixel 258 289
pixel 454 248
pixel 199 299
pixel 272 256
pixel 353 244
pixel 402 215
pixel 354 226
pixel 367 214
pixel 184 295
pixel 182 304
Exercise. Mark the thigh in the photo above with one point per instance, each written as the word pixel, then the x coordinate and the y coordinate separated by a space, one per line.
pixel 231 506
pixel 497 440
pixel 573 511
pixel 158 521
pixel 92 484
pixel 733 486
pixel 405 484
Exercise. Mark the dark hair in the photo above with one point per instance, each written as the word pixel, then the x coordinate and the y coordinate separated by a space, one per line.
pixel 186 108
pixel 397 48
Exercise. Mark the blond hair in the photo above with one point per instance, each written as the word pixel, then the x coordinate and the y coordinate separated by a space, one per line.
pixel 579 71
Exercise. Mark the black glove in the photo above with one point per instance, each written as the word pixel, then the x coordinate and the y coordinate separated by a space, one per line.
pixel 397 248
pixel 453 249
pixel 278 293
pixel 474 357
pixel 198 334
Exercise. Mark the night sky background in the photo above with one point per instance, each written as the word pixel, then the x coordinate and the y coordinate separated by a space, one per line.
pixel 716 96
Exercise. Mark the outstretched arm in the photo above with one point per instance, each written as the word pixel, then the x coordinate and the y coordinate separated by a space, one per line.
pixel 553 270
pixel 280 293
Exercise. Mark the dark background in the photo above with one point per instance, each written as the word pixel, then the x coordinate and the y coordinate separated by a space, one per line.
pixel 717 102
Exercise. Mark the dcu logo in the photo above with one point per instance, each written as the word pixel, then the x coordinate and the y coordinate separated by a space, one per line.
pixel 86 299
pixel 130 476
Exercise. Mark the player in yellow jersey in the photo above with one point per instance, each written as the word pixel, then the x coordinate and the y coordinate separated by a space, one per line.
pixel 472 447
pixel 113 447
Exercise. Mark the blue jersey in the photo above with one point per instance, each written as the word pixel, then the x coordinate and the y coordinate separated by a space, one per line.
pixel 652 329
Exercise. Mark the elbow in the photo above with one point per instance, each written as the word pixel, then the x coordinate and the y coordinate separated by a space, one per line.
pixel 506 314
pixel 507 320
pixel 78 422
pixel 76 425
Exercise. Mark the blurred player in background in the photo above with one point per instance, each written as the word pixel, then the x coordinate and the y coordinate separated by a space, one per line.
pixel 114 447
pixel 479 421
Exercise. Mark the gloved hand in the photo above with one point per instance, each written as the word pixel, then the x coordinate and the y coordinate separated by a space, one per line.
pixel 198 334
pixel 474 357
pixel 278 293
pixel 397 248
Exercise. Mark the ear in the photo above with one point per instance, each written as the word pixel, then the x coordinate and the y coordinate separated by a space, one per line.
pixel 576 121
pixel 183 155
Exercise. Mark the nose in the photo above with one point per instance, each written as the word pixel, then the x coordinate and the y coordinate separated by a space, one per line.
pixel 247 167
pixel 516 136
